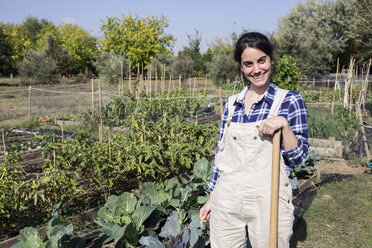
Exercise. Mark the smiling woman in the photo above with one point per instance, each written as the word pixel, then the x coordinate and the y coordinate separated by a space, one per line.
pixel 239 205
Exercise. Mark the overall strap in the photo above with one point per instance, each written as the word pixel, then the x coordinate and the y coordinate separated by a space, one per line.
pixel 231 109
pixel 278 100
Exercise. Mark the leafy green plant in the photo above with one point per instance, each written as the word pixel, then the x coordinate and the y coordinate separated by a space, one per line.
pixel 12 195
pixel 305 169
pixel 122 219
pixel 287 74
pixel 58 236
pixel 190 235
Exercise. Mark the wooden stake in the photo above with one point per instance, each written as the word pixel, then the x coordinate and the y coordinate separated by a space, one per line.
pixel 109 141
pixel 169 84
pixel 273 235
pixel 156 78
pixel 100 113
pixel 3 135
pixel 130 79
pixel 29 102
pixel 179 82
pixel 221 103
pixel 193 88
pixel 63 138
pixel 205 85
pixel 92 94
pixel 150 81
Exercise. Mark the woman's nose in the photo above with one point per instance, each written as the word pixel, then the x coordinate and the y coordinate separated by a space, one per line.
pixel 256 68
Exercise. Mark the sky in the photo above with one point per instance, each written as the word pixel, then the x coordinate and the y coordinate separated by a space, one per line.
pixel 212 19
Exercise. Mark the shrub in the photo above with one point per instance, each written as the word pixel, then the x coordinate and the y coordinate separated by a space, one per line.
pixel 287 73
pixel 108 66
pixel 222 68
pixel 38 67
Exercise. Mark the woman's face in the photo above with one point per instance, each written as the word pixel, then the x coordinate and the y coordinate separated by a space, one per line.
pixel 256 67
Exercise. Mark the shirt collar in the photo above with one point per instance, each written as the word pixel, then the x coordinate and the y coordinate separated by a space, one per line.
pixel 268 95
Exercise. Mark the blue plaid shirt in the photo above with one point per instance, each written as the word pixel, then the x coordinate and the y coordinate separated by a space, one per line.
pixel 293 109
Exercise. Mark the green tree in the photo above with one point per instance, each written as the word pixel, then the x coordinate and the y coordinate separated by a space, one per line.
pixel 59 54
pixel 38 68
pixel 316 32
pixel 183 65
pixel 222 68
pixel 287 74
pixel 81 46
pixel 193 51
pixel 6 52
pixel 108 66
pixel 141 39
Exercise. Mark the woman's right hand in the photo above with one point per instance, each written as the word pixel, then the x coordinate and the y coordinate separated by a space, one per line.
pixel 206 210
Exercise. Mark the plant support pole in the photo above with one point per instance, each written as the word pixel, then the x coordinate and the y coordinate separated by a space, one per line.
pixel 4 147
pixel 100 114
pixel 92 94
pixel 29 102
pixel 221 104
pixel 273 235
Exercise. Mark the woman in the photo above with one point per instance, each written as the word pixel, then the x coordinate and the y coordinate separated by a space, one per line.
pixel 239 201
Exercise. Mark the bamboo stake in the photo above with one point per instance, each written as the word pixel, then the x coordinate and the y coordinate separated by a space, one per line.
pixel 4 146
pixel 130 79
pixel 109 141
pixel 119 86
pixel 205 85
pixel 156 78
pixel 221 103
pixel 179 82
pixel 169 84
pixel 121 77
pixel 100 113
pixel 62 133
pixel 150 81
pixel 273 235
pixel 193 88
pixel 92 94
pixel 29 102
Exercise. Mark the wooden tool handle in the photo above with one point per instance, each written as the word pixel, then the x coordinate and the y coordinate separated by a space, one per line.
pixel 273 238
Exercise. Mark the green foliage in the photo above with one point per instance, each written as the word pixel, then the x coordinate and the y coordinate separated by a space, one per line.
pixel 183 65
pixel 6 52
pixel 315 33
pixel 38 68
pixel 287 73
pixel 222 68
pixel 141 39
pixel 12 196
pixel 121 109
pixel 58 236
pixel 59 54
pixel 109 66
pixel 122 219
pixel 305 169
pixel 321 124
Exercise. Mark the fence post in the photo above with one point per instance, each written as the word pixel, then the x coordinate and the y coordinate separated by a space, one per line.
pixel 29 102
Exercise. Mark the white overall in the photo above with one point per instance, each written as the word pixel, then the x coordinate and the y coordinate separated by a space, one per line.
pixel 241 197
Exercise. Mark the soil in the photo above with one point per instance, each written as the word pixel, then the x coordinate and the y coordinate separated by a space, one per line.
pixel 342 167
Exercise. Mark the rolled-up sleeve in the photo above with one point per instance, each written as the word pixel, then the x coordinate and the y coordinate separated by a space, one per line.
pixel 297 118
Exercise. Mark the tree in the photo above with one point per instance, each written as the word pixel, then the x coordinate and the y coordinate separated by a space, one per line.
pixel 183 65
pixel 222 68
pixel 141 39
pixel 6 52
pixel 59 54
pixel 193 51
pixel 109 65
pixel 316 32
pixel 287 74
pixel 81 46
pixel 38 68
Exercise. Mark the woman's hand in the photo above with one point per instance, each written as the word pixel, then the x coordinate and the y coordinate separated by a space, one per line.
pixel 270 125
pixel 205 211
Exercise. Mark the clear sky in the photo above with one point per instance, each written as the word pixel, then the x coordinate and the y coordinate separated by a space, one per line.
pixel 213 19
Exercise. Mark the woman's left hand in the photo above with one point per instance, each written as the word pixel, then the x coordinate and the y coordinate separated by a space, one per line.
pixel 270 125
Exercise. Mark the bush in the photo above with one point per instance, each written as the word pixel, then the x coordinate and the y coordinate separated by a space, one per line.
pixel 222 68
pixel 38 68
pixel 108 66
pixel 287 74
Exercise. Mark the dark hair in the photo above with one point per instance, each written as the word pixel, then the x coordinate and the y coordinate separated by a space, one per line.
pixel 254 40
